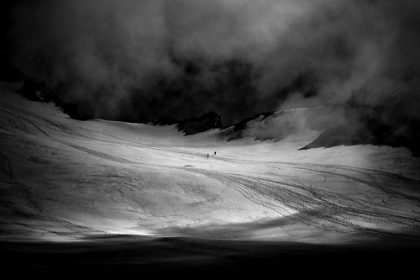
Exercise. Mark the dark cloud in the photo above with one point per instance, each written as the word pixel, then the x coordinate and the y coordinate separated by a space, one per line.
pixel 139 60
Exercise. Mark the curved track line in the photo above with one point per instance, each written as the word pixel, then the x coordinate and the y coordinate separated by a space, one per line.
pixel 6 175
pixel 318 208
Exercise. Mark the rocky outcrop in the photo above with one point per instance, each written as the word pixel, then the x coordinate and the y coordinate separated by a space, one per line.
pixel 165 121
pixel 192 125
pixel 276 126
pixel 203 123
pixel 35 90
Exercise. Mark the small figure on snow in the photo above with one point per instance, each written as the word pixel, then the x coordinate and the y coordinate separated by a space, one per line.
pixel 214 153
pixel 207 155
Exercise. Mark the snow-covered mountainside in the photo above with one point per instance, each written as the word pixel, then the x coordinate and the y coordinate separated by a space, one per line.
pixel 66 179
pixel 276 126
pixel 34 90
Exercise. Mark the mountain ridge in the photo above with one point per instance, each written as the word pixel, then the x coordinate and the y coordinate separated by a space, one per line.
pixel 383 111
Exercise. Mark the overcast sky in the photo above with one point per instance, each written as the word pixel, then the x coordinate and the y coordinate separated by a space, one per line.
pixel 136 60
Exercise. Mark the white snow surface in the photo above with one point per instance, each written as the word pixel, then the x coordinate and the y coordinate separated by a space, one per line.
pixel 64 179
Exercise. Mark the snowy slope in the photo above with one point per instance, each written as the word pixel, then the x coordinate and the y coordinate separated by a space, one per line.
pixel 66 179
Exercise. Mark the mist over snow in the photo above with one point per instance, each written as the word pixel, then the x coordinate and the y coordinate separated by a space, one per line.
pixel 140 60
pixel 165 136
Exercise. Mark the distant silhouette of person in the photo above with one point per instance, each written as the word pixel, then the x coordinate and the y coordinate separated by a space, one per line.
pixel 207 155
pixel 214 153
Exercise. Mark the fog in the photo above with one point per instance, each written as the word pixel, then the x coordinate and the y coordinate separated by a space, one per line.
pixel 139 60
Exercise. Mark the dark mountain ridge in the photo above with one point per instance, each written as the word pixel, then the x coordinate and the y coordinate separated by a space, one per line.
pixel 37 91
pixel 383 111
pixel 192 125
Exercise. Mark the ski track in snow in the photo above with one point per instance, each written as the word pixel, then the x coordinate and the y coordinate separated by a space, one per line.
pixel 320 208
pixel 6 176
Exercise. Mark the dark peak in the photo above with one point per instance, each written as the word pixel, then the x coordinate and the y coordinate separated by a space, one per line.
pixel 242 124
pixel 192 125
pixel 31 89
pixel 202 123
pixel 165 121
pixel 35 90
